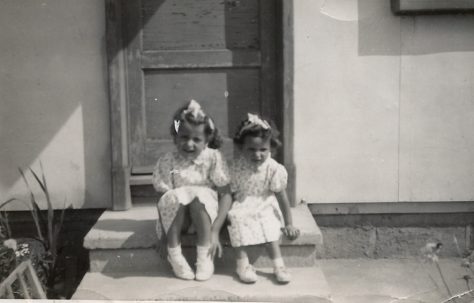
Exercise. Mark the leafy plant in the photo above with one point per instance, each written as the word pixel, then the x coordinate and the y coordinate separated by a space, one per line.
pixel 48 226
pixel 431 250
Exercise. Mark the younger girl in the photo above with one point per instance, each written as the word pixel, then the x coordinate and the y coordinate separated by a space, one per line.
pixel 258 184
pixel 190 178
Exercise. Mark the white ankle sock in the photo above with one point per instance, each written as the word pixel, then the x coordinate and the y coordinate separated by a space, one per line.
pixel 242 263
pixel 278 262
pixel 175 252
pixel 202 252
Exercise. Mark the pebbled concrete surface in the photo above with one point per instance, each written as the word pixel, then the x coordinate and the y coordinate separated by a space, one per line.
pixel 341 280
pixel 307 285
pixel 390 242
pixel 392 280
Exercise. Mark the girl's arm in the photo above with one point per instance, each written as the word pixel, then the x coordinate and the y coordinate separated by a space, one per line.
pixel 289 230
pixel 225 202
pixel 161 179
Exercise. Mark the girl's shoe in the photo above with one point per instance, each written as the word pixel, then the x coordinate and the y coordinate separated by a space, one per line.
pixel 181 268
pixel 247 274
pixel 282 275
pixel 204 269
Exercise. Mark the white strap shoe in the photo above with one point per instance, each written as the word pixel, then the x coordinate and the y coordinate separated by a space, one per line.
pixel 247 274
pixel 181 268
pixel 282 275
pixel 204 269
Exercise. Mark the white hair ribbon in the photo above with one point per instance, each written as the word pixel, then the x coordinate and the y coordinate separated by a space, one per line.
pixel 195 110
pixel 211 124
pixel 253 121
pixel 176 125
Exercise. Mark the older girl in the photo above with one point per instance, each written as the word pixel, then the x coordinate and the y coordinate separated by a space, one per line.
pixel 191 178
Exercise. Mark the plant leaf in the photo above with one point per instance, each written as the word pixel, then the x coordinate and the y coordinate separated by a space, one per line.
pixel 42 184
pixel 59 225
pixel 37 217
pixel 38 180
pixel 50 210
pixel 24 177
pixel 7 202
pixel 34 210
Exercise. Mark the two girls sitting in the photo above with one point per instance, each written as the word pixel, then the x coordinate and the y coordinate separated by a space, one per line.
pixel 198 185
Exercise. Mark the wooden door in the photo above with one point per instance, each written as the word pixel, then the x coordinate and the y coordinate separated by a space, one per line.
pixel 221 53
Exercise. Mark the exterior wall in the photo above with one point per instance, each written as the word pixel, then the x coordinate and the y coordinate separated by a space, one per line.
pixel 384 107
pixel 53 99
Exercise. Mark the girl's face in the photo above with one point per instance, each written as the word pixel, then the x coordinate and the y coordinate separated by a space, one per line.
pixel 256 149
pixel 190 140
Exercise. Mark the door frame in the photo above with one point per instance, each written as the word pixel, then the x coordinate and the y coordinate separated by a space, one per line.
pixel 118 106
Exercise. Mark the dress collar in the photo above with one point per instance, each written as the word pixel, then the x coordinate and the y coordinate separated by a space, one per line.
pixel 199 160
pixel 254 167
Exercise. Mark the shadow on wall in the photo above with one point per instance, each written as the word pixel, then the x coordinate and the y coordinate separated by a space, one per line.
pixel 383 34
pixel 54 101
pixel 53 97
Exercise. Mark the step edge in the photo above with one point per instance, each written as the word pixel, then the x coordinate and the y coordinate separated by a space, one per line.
pixel 107 239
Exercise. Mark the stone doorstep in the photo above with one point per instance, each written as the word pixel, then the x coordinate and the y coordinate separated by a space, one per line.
pixel 135 228
pixel 126 241
pixel 307 285
pixel 148 260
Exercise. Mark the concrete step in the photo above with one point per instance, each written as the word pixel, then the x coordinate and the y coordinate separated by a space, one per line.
pixel 126 241
pixel 307 285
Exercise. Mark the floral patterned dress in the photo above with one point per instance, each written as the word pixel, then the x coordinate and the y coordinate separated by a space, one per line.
pixel 183 180
pixel 255 216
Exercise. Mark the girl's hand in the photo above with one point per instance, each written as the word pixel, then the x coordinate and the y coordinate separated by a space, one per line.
pixel 216 246
pixel 291 232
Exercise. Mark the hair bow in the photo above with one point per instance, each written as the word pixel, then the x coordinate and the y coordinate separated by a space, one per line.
pixel 254 121
pixel 195 110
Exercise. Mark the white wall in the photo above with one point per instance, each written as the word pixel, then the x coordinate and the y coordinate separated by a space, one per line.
pixel 384 105
pixel 53 99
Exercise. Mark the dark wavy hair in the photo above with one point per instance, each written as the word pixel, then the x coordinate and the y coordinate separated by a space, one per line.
pixel 214 140
pixel 271 133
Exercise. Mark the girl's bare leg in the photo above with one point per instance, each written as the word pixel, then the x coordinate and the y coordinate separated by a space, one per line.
pixel 202 222
pixel 245 271
pixel 281 273
pixel 179 264
pixel 273 249
pixel 240 253
pixel 174 232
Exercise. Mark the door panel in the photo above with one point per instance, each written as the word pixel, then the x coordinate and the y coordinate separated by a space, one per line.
pixel 210 87
pixel 204 24
pixel 218 52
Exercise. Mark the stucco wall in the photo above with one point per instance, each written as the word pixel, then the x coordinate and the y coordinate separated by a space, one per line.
pixel 384 105
pixel 53 99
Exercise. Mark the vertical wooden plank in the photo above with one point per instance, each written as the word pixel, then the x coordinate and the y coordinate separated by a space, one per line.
pixel 24 287
pixel 287 45
pixel 118 106
pixel 269 103
pixel 10 294
pixel 133 31
pixel 37 289
pixel 277 77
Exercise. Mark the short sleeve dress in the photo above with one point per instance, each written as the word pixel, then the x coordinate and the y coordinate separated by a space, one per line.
pixel 255 216
pixel 183 180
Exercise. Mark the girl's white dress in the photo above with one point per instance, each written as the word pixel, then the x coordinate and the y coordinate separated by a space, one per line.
pixel 183 180
pixel 255 216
